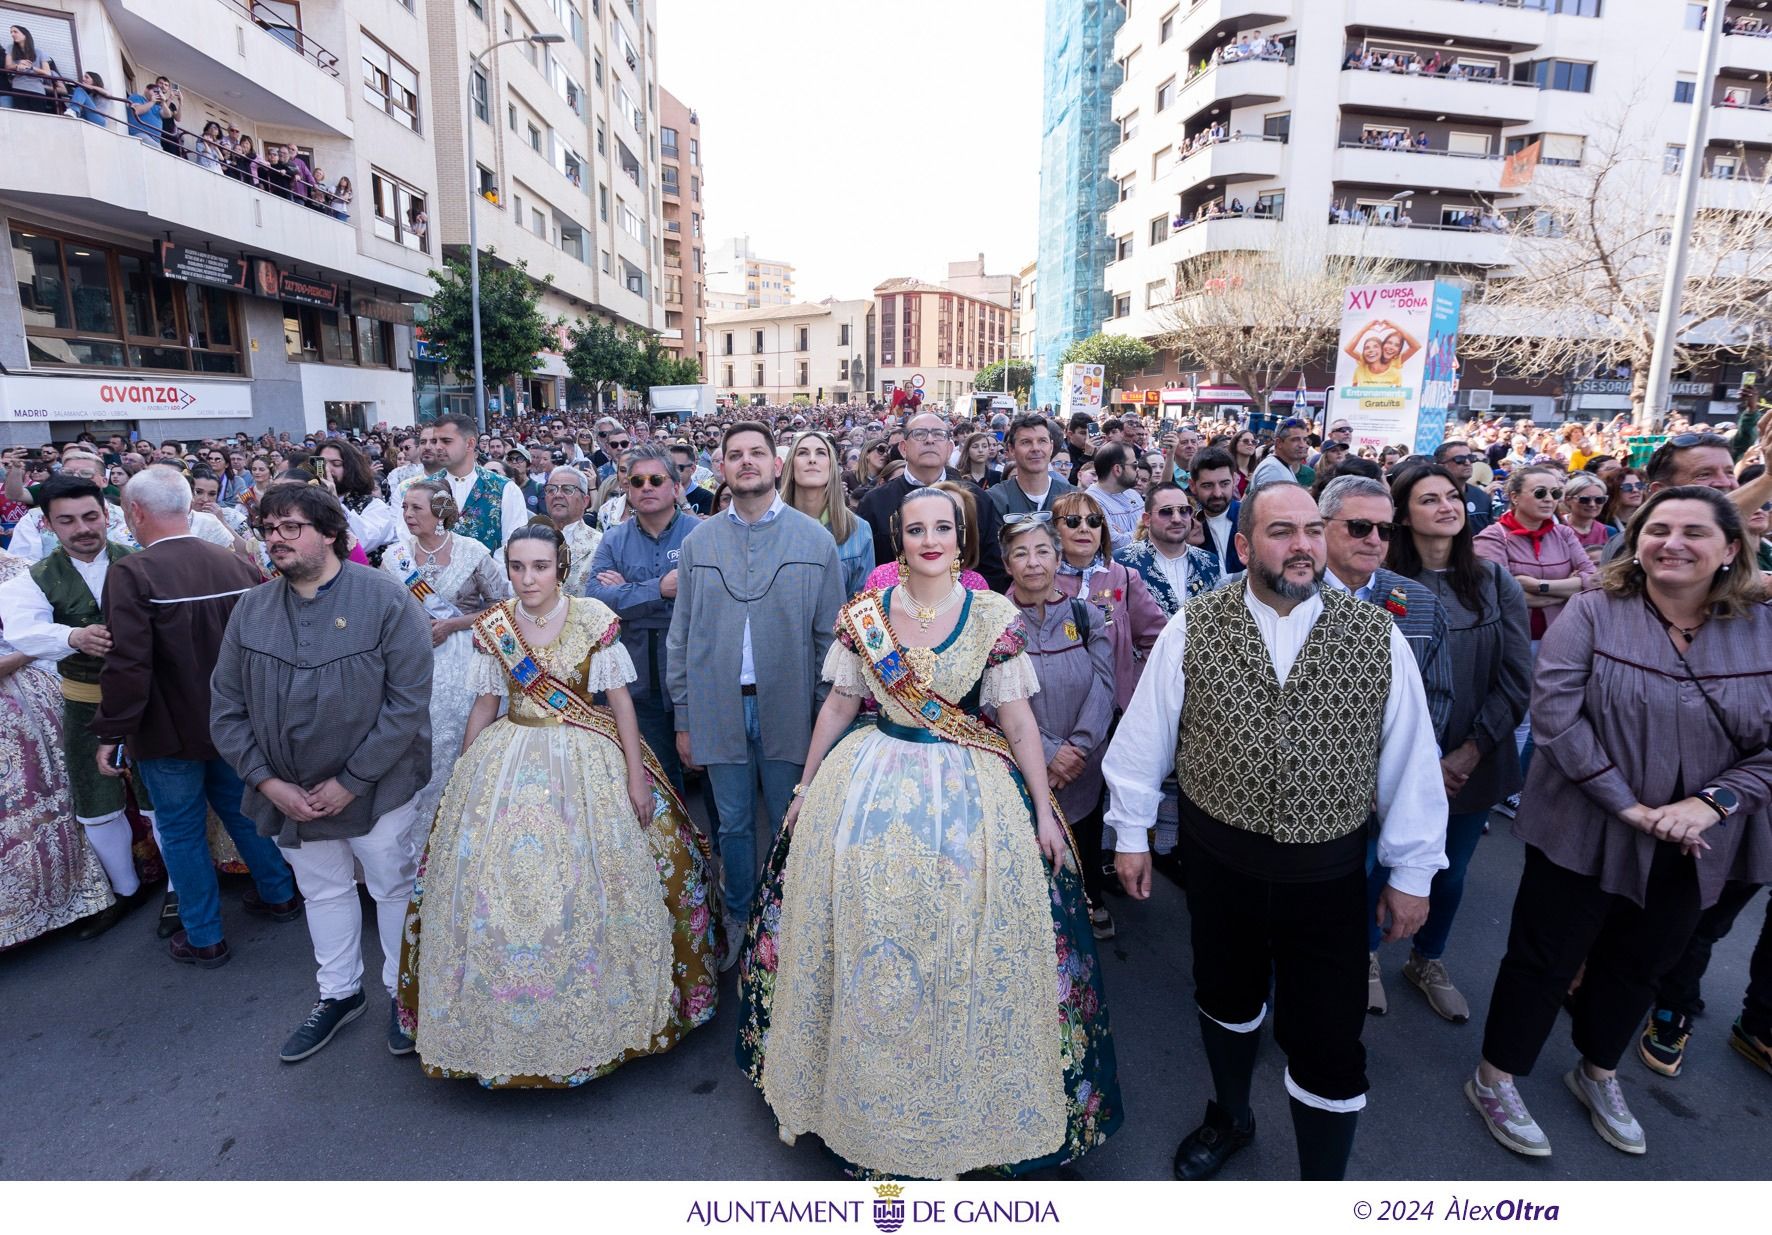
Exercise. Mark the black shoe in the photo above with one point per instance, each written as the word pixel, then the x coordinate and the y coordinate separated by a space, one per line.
pixel 1209 1146
pixel 327 1018
pixel 97 924
pixel 170 923
pixel 258 907
pixel 399 1041
pixel 214 956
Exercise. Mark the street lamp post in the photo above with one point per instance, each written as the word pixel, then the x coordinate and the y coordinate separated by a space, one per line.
pixel 474 214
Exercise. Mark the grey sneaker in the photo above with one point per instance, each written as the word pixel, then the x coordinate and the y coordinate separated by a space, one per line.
pixel 1605 1105
pixel 1505 1115
pixel 328 1017
pixel 1101 922
pixel 734 944
pixel 1376 1003
pixel 1430 978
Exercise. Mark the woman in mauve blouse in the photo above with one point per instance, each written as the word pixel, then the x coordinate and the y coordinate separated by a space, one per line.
pixel 1653 706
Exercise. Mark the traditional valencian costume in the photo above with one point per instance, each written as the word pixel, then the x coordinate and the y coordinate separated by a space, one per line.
pixel 897 985
pixel 552 936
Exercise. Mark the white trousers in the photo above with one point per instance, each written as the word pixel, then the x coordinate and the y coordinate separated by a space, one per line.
pixel 327 878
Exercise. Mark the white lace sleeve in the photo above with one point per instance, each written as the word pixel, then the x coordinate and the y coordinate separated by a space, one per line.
pixel 487 677
pixel 843 669
pixel 1013 679
pixel 610 667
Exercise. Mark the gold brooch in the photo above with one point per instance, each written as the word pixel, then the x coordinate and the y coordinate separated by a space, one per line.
pixel 339 622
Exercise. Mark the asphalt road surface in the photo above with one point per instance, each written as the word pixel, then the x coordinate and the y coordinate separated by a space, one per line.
pixel 119 1064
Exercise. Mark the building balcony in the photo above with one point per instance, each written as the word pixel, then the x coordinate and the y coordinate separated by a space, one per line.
pixel 1461 246
pixel 241 54
pixel 1741 126
pixel 1419 169
pixel 1491 100
pixel 110 180
pixel 1219 20
pixel 1499 23
pixel 1226 235
pixel 1232 161
pixel 1225 86
pixel 1747 40
pixel 671 334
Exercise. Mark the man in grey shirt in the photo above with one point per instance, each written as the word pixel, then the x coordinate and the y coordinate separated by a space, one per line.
pixel 758 589
pixel 322 696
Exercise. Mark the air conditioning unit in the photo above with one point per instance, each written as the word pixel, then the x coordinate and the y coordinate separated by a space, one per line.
pixel 1481 400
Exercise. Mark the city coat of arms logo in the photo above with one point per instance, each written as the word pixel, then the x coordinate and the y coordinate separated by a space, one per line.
pixel 888 1207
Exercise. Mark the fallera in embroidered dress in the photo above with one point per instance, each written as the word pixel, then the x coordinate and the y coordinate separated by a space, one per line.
pixel 897 985
pixel 552 936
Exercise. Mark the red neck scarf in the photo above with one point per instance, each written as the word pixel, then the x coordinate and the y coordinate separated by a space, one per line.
pixel 1535 535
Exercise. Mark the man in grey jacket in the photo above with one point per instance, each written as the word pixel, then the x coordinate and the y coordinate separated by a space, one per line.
pixel 322 697
pixel 758 589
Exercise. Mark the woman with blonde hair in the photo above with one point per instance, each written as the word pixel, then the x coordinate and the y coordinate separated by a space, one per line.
pixel 812 485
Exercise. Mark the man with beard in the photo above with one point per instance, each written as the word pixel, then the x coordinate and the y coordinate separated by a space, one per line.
pixel 418 457
pixel 321 703
pixel 491 506
pixel 1325 688
pixel 758 589
pixel 1215 489
pixel 1174 571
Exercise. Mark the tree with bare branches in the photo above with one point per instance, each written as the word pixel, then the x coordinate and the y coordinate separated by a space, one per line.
pixel 1590 254
pixel 1259 318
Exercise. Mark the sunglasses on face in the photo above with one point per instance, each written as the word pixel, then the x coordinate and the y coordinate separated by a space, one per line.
pixel 1555 495
pixel 1173 512
pixel 1359 529
pixel 1028 518
pixel 1076 521
pixel 1631 486
pixel 1686 440
pixel 876 450
pixel 1460 460
pixel 1589 501
pixel 621 445
pixel 649 480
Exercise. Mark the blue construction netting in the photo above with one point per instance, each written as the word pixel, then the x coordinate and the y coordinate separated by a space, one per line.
pixel 1077 135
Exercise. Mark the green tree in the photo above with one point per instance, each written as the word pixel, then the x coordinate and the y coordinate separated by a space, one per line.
pixel 1120 355
pixel 513 332
pixel 682 372
pixel 652 365
pixel 597 356
pixel 1021 378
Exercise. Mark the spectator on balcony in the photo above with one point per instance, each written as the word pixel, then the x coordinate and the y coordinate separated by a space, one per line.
pixel 172 104
pixel 82 99
pixel 244 164
pixel 1421 140
pixel 341 198
pixel 275 174
pixel 301 177
pixel 145 117
pixel 209 148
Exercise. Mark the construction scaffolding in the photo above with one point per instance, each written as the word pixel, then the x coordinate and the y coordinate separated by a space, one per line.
pixel 1077 135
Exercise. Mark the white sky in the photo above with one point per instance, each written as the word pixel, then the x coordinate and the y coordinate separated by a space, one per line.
pixel 864 141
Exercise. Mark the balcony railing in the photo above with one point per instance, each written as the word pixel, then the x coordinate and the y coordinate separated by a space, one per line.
pixel 1182 224
pixel 1411 148
pixel 1479 222
pixel 67 97
pixel 276 24
pixel 1411 65
pixel 1749 27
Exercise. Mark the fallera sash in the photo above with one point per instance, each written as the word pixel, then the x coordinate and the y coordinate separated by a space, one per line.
pixel 434 602
pixel 865 619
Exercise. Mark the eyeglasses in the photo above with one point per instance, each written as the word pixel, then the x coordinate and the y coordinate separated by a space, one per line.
pixel 1076 521
pixel 1687 440
pixel 1461 460
pixel 568 489
pixel 1631 486
pixel 877 450
pixel 1555 495
pixel 287 529
pixel 621 445
pixel 1028 518
pixel 647 480
pixel 1359 529
pixel 928 435
pixel 1173 512
pixel 1588 501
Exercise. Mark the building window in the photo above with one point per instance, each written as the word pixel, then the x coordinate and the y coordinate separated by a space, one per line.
pixel 1155 293
pixel 667 142
pixel 538 223
pixel 603 203
pixel 391 85
pixel 1278 125
pixel 804 340
pixel 399 212
pixel 757 372
pixel 695 152
pixel 1568 75
pixel 1166 95
pixel 1122 306
pixel 668 179
pixel 1672 159
pixel 511 116
pixel 1159 229
pixel 605 256
pixel 535 139
pixel 597 69
pixel 1128 126
pixel 757 342
pixel 1685 89
pixel 1122 247
pixel 843 335
pixel 1166 29
pixel 477 92
pixel 477 8
pixel 88 304
pixel 1128 185
pixel 487 183
pixel 1271 205
pixel 805 373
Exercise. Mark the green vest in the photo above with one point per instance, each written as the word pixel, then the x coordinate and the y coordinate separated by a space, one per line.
pixel 72 604
pixel 1297 762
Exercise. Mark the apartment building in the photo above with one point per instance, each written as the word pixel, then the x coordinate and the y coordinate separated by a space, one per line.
pixel 735 268
pixel 567 173
pixel 1024 345
pixel 969 278
pixel 932 338
pixel 1385 124
pixel 799 353
pixel 158 295
pixel 682 183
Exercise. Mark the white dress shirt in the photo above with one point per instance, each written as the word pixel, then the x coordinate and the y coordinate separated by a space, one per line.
pixel 1363 592
pixel 747 668
pixel 29 618
pixel 1221 530
pixel 377 525
pixel 1411 793
pixel 1174 569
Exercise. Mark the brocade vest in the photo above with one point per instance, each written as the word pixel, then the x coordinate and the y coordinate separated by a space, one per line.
pixel 72 604
pixel 482 515
pixel 1299 762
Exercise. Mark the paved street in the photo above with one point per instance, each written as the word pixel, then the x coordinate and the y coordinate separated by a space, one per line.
pixel 120 1064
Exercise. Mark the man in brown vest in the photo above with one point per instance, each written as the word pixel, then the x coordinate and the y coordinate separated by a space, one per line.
pixel 1323 688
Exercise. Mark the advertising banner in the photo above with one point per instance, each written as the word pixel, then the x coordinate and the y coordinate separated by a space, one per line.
pixel 1396 363
pixel 25 397
pixel 1083 387
pixel 200 266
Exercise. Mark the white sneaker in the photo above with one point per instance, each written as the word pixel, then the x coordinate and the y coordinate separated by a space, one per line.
pixel 1376 1003
pixel 1505 1115
pixel 1605 1105
pixel 1101 922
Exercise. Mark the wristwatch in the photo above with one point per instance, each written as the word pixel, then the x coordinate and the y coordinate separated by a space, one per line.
pixel 1544 587
pixel 1719 799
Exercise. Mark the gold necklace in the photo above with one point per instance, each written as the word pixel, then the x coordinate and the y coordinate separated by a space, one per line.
pixel 926 616
pixel 541 623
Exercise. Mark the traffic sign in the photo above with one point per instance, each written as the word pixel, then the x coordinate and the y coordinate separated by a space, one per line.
pixel 916 381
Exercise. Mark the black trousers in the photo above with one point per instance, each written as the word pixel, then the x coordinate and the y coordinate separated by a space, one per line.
pixel 1562 919
pixel 1305 941
pixel 1679 987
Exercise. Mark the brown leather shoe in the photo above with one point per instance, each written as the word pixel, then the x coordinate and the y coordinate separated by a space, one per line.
pixel 212 957
pixel 283 911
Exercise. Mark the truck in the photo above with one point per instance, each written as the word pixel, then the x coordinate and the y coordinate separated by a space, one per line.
pixel 983 404
pixel 681 403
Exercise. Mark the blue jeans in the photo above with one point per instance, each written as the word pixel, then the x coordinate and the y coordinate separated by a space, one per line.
pixel 1463 831
pixel 183 791
pixel 657 722
pixel 735 795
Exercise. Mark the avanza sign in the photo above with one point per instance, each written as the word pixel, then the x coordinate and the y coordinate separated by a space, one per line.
pixel 30 397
